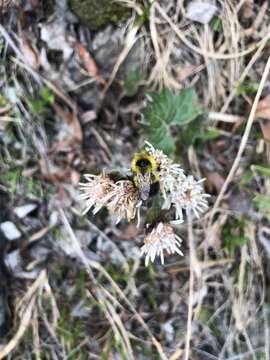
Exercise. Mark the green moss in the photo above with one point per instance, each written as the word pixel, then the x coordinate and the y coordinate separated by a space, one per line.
pixel 11 178
pixel 97 13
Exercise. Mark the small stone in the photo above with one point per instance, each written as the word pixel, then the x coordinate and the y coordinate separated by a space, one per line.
pixel 10 230
pixel 24 210
pixel 201 12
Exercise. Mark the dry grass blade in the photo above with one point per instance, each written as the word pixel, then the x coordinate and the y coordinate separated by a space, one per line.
pixel 203 265
pixel 24 323
pixel 17 51
pixel 244 138
pixel 27 308
pixel 193 265
pixel 122 332
pixel 129 42
pixel 95 265
pixel 227 118
pixel 211 55
pixel 246 71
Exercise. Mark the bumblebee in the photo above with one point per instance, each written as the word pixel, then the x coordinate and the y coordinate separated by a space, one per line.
pixel 145 178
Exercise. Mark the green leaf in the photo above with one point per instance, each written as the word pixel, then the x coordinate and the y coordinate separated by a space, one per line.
pixel 232 242
pixel 45 98
pixel 247 88
pixel 144 17
pixel 246 178
pixel 210 134
pixel 216 24
pixel 46 95
pixel 3 100
pixel 262 202
pixel 165 110
pixel 262 170
pixel 132 81
pixel 193 131
pixel 234 236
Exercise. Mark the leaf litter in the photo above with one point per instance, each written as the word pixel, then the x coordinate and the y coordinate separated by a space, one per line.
pixel 77 283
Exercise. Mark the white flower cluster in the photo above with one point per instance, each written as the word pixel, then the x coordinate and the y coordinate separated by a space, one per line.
pixel 122 198
pixel 177 189
pixel 161 238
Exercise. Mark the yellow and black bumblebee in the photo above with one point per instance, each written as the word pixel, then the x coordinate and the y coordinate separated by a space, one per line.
pixel 145 177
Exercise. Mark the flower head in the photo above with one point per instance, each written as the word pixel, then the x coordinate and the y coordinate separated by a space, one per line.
pixel 96 191
pixel 189 195
pixel 177 189
pixel 124 200
pixel 167 171
pixel 161 238
pixel 121 198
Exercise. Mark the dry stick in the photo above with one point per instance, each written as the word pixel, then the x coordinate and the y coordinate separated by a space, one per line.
pixel 266 334
pixel 246 71
pixel 220 116
pixel 244 139
pixel 211 55
pixel 17 51
pixel 203 265
pixel 191 286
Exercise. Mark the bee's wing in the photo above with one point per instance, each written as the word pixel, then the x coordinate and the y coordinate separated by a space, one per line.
pixel 143 183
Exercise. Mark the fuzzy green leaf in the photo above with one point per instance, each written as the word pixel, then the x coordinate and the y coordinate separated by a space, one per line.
pixel 166 109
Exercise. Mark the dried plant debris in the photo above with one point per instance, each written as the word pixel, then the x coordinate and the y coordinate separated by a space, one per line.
pixel 154 268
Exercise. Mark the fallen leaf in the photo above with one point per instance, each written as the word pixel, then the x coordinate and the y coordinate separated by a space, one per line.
pixel 263 112
pixel 265 126
pixel 263 108
pixel 88 62
pixel 39 234
pixel 30 55
pixel 72 120
pixel 214 181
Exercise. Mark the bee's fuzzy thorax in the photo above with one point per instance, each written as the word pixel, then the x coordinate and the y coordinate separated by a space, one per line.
pixel 135 167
